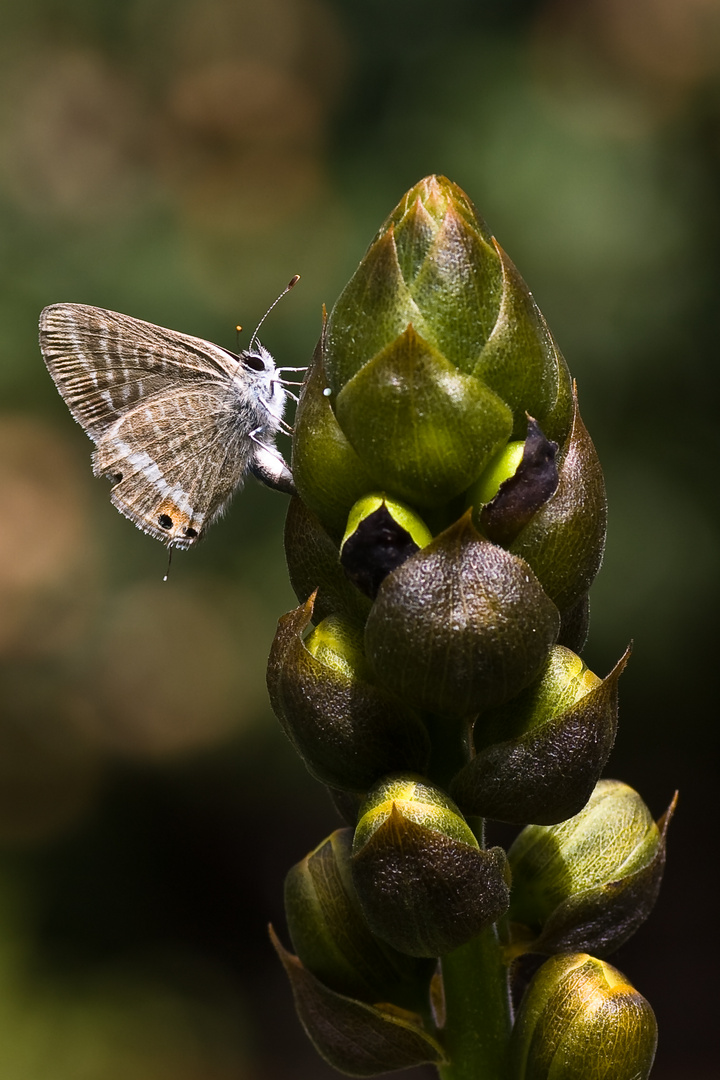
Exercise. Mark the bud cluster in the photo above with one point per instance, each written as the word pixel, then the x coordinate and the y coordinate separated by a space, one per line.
pixel 449 522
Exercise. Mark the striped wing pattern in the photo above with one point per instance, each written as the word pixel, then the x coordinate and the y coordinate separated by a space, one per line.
pixel 102 362
pixel 170 422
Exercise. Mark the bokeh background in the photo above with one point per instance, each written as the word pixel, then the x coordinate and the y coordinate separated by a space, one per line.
pixel 179 160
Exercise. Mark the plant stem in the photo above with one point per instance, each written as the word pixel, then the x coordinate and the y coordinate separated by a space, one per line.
pixel 478 1010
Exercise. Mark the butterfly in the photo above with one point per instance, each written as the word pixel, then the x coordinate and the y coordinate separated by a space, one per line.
pixel 177 421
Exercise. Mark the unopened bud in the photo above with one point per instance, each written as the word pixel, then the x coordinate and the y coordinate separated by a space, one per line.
pixel 424 883
pixel 331 937
pixel 591 881
pixel 539 756
pixel 348 731
pixel 580 1019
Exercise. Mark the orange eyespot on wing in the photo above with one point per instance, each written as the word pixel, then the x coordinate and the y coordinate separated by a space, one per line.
pixel 176 523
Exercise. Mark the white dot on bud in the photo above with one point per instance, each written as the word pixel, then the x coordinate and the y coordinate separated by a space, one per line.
pixel 327 392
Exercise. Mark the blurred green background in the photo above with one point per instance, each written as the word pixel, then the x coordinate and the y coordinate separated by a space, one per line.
pixel 179 160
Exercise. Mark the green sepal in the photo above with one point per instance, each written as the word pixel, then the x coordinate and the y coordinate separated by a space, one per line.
pixel 425 885
pixel 581 1018
pixel 356 1038
pixel 373 308
pixel 332 939
pixel 419 801
pixel 414 229
pixel 564 541
pixel 328 474
pixel 423 428
pixel 337 644
pixel 458 289
pixel 460 626
pixel 433 195
pixel 445 255
pixel 313 560
pixel 590 882
pixel 522 363
pixel 348 731
pixel 540 755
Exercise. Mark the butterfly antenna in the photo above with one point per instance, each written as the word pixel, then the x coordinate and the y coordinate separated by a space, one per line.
pixel 290 285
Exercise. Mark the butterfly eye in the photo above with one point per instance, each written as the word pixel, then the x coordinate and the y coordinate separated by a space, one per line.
pixel 252 361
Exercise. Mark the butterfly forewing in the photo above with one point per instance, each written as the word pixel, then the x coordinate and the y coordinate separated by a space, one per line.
pixel 103 362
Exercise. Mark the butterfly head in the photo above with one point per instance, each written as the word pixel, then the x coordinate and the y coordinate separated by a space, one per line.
pixel 260 375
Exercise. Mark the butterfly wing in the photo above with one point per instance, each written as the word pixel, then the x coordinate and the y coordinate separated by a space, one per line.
pixel 103 362
pixel 175 461
pixel 177 421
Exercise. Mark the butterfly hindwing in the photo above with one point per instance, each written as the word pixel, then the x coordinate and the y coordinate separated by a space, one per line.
pixel 175 462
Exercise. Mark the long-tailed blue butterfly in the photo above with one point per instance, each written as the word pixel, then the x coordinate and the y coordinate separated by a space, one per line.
pixel 177 421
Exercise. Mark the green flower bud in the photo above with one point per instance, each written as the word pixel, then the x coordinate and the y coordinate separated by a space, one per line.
pixel 331 937
pixel 429 362
pixel 539 756
pixel 381 534
pixel 564 540
pixel 313 559
pixel 501 468
pixel 357 1038
pixel 425 427
pixel 591 881
pixel 460 626
pixel 348 732
pixel 521 495
pixel 327 470
pixel 432 264
pixel 581 1018
pixel 424 883
pixel 521 360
